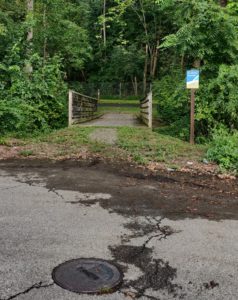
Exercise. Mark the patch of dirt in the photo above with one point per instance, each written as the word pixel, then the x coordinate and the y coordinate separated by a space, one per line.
pixel 9 152
pixel 104 135
pixel 16 149
pixel 192 167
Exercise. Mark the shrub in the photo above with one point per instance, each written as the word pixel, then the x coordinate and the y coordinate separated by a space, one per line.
pixel 179 129
pixel 223 149
pixel 172 97
pixel 35 102
pixel 217 100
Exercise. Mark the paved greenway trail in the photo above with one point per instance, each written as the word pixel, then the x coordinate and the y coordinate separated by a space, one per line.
pixel 115 119
pixel 173 235
pixel 109 135
pixel 104 135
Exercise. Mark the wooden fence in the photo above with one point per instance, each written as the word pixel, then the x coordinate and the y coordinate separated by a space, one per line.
pixel 146 109
pixel 81 107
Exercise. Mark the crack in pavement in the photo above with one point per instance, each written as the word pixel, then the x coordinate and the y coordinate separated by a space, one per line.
pixel 134 296
pixel 150 297
pixel 164 231
pixel 143 230
pixel 56 193
pixel 36 286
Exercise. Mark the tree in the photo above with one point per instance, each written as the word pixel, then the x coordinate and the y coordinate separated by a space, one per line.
pixel 205 33
pixel 223 3
pixel 30 10
pixel 113 40
pixel 61 28
pixel 104 23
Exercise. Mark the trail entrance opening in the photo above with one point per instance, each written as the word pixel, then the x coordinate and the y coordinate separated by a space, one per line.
pixel 84 109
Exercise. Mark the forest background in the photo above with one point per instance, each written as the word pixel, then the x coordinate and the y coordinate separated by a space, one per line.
pixel 49 46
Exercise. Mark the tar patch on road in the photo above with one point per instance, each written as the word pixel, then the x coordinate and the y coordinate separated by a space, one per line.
pixel 157 274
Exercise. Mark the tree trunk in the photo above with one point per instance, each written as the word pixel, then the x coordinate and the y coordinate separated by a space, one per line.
pixel 197 63
pixel 154 60
pixel 45 38
pixel 104 23
pixel 136 87
pixel 223 3
pixel 30 9
pixel 145 69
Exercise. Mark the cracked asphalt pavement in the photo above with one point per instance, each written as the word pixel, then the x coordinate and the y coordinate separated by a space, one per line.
pixel 173 235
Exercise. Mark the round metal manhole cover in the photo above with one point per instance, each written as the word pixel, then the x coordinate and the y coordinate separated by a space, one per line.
pixel 87 276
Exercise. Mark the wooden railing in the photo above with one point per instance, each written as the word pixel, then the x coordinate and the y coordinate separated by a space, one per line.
pixel 146 113
pixel 81 107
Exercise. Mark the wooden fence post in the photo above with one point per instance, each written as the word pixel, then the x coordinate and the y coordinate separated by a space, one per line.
pixel 70 114
pixel 99 95
pixel 146 110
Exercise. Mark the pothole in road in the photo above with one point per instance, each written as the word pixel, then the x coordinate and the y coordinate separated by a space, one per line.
pixel 88 276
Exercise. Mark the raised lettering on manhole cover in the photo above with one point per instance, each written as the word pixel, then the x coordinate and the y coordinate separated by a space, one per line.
pixel 87 276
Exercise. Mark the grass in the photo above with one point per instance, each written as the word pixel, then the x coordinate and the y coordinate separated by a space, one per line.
pixel 139 145
pixel 146 146
pixel 132 110
pixel 118 101
pixel 26 153
pixel 3 141
pixel 68 142
pixel 76 135
pixel 129 110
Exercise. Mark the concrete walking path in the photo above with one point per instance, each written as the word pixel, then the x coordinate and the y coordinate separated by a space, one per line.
pixel 115 119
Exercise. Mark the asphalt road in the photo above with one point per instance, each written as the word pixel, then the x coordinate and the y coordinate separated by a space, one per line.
pixel 51 213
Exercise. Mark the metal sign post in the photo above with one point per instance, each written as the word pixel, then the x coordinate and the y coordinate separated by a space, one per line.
pixel 192 117
pixel 192 81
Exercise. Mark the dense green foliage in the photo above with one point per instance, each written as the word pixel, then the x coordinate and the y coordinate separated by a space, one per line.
pixel 36 102
pixel 224 150
pixel 136 41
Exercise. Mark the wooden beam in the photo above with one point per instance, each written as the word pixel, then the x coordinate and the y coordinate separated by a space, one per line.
pixel 70 113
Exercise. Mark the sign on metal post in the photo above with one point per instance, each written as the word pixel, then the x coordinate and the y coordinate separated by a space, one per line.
pixel 192 81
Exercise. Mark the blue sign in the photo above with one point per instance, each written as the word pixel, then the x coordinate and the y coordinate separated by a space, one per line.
pixel 192 79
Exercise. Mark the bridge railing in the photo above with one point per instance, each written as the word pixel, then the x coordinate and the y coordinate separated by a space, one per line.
pixel 146 109
pixel 81 107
